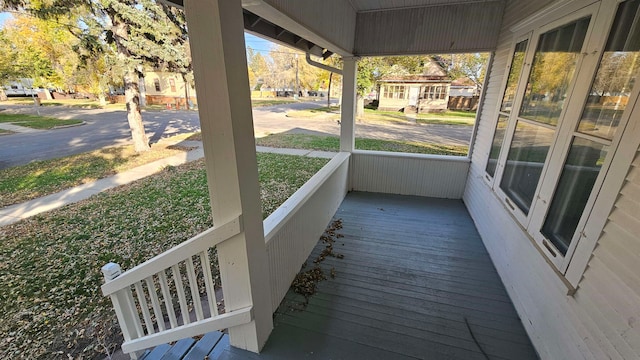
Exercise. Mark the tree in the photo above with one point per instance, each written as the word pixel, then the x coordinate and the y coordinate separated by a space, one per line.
pixel 42 50
pixel 142 32
pixel 470 65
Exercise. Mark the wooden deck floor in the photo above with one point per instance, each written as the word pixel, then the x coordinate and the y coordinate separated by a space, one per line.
pixel 415 283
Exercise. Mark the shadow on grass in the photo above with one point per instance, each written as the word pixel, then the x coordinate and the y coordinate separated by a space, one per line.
pixel 40 178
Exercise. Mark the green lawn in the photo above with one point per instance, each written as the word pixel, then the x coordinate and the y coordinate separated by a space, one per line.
pixel 450 117
pixel 36 122
pixel 324 111
pixel 80 103
pixel 332 143
pixel 270 102
pixel 50 264
pixel 40 178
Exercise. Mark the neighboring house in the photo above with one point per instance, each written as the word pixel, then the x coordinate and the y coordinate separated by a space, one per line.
pixel 426 92
pixel 463 95
pixel 463 87
pixel 552 183
pixel 162 88
pixel 20 87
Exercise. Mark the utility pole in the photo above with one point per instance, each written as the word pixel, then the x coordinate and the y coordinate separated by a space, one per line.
pixel 295 96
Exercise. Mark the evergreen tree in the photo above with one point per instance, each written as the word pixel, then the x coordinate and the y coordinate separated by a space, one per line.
pixel 143 33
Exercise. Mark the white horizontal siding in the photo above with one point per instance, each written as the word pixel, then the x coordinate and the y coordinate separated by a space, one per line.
pixel 406 174
pixel 602 320
pixel 368 5
pixel 295 227
pixel 429 30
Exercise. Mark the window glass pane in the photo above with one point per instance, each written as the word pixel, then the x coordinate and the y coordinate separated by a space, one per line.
pixel 553 67
pixel 526 157
pixel 514 76
pixel 576 182
pixel 498 135
pixel 615 77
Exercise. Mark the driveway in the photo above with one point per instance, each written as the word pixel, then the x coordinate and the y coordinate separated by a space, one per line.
pixel 105 127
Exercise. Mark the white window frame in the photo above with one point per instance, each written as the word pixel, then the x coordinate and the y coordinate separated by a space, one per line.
pixel 566 131
pixel 526 37
pixel 590 10
pixel 571 265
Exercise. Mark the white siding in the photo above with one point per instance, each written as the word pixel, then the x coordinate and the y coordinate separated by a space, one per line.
pixel 295 227
pixel 332 19
pixel 429 30
pixel 406 174
pixel 602 320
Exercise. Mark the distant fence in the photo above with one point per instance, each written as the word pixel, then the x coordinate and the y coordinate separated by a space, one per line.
pixel 463 103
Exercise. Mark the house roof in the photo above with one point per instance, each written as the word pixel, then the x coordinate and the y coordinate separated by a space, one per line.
pixel 432 72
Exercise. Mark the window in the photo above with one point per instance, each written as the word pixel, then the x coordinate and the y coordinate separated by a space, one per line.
pixel 552 70
pixel 591 139
pixel 156 83
pixel 434 92
pixel 513 78
pixel 563 136
pixel 172 83
pixel 394 91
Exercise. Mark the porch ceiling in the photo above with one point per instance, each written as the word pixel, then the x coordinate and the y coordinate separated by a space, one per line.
pixel 377 5
pixel 376 27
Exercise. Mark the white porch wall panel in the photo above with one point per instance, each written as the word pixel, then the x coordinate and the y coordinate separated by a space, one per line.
pixel 429 30
pixel 407 174
pixel 334 20
pixel 367 5
pixel 295 227
pixel 602 320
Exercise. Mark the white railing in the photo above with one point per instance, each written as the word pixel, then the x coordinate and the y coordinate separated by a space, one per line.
pixel 170 290
pixel 294 228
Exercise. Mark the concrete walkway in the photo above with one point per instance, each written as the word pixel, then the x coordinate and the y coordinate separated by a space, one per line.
pixel 17 212
pixel 18 129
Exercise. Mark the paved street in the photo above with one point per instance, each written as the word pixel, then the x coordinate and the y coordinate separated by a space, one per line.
pixel 109 127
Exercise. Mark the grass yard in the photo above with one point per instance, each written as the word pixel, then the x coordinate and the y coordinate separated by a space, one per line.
pixel 332 143
pixel 50 264
pixel 325 111
pixel 270 102
pixel 36 122
pixel 80 103
pixel 450 117
pixel 5 132
pixel 40 178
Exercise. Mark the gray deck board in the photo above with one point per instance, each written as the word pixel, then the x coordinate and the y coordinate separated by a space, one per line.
pixel 414 279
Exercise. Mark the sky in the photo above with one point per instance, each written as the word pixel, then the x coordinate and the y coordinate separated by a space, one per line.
pixel 258 44
pixel 3 18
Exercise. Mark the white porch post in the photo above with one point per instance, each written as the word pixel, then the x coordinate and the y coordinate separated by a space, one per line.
pixel 216 33
pixel 348 113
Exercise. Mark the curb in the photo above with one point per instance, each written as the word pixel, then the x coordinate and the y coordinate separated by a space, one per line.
pixel 68 126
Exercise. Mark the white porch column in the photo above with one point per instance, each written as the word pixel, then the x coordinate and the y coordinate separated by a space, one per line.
pixel 348 113
pixel 216 33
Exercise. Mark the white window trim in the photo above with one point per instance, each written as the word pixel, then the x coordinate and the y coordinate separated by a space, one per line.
pixel 619 156
pixel 526 37
pixel 523 218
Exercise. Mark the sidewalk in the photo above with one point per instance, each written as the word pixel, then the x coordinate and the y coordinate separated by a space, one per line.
pixel 17 212
pixel 18 129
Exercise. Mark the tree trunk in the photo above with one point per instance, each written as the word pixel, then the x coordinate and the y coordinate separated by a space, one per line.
pixel 186 91
pixel 329 91
pixel 134 116
pixel 3 96
pixel 359 106
pixel 131 84
pixel 102 99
